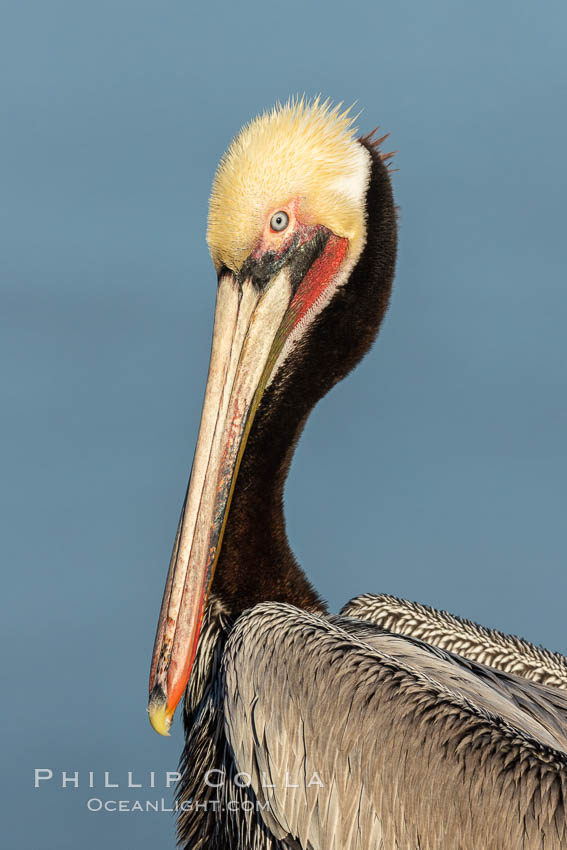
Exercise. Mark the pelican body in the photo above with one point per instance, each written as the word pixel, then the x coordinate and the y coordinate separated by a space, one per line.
pixel 390 726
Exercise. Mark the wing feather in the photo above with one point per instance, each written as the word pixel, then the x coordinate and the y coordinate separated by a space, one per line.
pixel 507 653
pixel 412 749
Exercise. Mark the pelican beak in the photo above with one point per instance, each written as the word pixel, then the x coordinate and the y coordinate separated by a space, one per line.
pixel 252 323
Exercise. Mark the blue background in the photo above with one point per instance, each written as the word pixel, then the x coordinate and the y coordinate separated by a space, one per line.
pixel 436 472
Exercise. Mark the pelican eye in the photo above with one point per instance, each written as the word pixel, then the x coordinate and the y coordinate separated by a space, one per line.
pixel 279 221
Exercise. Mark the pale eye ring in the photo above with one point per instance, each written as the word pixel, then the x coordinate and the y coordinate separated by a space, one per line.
pixel 279 221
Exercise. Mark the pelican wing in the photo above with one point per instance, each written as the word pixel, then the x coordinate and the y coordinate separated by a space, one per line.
pixel 357 738
pixel 546 705
pixel 495 649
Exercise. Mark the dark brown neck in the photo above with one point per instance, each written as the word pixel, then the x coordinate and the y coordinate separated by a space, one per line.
pixel 256 563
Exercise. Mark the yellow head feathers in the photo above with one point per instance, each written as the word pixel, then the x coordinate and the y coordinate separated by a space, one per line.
pixel 305 151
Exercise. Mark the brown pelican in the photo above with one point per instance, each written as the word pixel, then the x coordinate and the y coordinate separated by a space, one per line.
pixel 390 725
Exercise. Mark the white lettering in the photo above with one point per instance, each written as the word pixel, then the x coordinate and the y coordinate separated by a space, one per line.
pixel 107 782
pixel 208 780
pixel 38 777
pixel 287 782
pixel 72 779
pixel 171 777
pixel 265 783
pixel 131 783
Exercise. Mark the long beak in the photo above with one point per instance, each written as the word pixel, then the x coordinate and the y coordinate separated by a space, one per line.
pixel 249 332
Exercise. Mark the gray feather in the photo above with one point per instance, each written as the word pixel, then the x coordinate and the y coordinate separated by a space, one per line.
pixel 416 748
pixel 492 648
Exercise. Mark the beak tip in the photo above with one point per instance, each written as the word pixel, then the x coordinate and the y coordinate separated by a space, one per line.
pixel 160 718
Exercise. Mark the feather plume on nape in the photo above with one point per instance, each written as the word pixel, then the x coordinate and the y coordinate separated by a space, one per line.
pixel 375 143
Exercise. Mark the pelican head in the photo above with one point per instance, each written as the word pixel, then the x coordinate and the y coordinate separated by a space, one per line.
pixel 289 223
